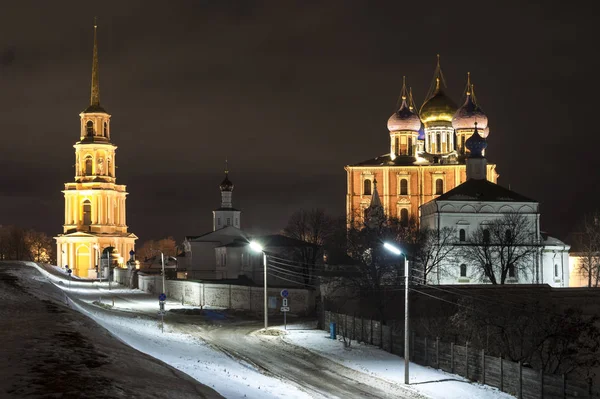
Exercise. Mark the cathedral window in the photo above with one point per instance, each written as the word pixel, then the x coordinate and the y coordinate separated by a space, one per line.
pixel 397 146
pixel 439 186
pixel 410 146
pixel 367 187
pixel 511 270
pixel 462 235
pixel 508 235
pixel 87 213
pixel 105 129
pixel 89 128
pixel 486 236
pixel 404 217
pixel 88 165
pixel 403 187
pixel 463 270
pixel 438 142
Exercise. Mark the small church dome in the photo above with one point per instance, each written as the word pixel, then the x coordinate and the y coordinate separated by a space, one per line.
pixel 476 144
pixel 226 184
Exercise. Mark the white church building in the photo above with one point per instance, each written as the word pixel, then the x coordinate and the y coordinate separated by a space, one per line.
pixel 478 202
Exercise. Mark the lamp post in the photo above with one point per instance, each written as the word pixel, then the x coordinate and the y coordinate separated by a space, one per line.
pixel 396 251
pixel 162 259
pixel 97 248
pixel 256 247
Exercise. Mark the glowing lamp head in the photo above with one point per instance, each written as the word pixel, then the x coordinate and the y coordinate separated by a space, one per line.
pixel 255 246
pixel 392 248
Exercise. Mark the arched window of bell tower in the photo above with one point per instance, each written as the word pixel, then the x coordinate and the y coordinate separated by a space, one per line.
pixel 88 165
pixel 89 128
pixel 105 129
pixel 87 213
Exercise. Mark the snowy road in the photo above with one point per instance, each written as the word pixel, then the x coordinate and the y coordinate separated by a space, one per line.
pixel 317 375
pixel 230 353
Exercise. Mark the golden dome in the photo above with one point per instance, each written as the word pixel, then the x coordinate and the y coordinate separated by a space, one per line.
pixel 439 107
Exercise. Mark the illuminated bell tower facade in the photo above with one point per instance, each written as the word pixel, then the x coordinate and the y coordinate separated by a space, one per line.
pixel 95 216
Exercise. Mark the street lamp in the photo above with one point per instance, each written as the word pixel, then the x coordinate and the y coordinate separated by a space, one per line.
pixel 396 251
pixel 256 247
pixel 98 264
pixel 162 260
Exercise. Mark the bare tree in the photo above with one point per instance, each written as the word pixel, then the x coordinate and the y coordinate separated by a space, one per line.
pixel 314 227
pixel 39 246
pixel 588 242
pixel 556 342
pixel 504 248
pixel 151 247
pixel 434 249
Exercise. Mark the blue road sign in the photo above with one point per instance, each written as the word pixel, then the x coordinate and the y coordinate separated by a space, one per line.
pixel 284 293
pixel 162 297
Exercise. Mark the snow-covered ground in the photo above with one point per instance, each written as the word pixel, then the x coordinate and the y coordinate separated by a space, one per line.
pixel 131 315
pixel 372 360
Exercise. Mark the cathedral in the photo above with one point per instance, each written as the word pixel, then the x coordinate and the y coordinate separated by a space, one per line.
pixel 427 154
pixel 95 217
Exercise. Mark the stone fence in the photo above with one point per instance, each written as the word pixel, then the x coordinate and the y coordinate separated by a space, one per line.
pixel 239 297
pixel 473 364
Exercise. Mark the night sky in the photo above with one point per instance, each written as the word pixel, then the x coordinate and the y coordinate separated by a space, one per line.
pixel 290 92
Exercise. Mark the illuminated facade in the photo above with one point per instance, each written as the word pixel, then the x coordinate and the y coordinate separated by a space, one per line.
pixel 426 158
pixel 95 216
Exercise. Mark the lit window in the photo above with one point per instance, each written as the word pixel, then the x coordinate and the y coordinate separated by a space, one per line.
pixel 463 270
pixel 403 187
pixel 367 187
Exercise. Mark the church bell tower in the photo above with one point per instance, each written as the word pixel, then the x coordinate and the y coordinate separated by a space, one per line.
pixel 95 216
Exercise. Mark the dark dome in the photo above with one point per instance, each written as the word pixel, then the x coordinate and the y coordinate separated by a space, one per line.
pixel 439 107
pixel 468 115
pixel 404 119
pixel 476 144
pixel 226 184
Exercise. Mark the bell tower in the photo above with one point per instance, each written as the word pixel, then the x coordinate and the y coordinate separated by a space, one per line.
pixel 95 216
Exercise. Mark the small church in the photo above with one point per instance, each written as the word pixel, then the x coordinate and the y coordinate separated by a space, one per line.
pixel 224 253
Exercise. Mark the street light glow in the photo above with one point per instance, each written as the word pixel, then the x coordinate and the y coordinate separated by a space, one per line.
pixel 255 246
pixel 392 248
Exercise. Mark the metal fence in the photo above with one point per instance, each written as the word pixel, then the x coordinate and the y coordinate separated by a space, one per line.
pixel 471 363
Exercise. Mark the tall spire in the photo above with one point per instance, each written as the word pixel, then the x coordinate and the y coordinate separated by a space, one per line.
pixel 95 95
pixel 438 83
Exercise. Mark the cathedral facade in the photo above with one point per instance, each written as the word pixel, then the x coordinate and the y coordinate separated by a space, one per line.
pixel 426 158
pixel 95 216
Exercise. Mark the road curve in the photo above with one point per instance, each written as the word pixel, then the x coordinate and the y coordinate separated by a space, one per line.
pixel 314 374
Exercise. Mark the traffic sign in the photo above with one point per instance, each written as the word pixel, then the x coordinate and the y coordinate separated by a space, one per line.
pixel 284 293
pixel 285 308
pixel 162 297
pixel 284 302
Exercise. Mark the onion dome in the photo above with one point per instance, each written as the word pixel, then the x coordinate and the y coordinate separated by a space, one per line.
pixel 476 144
pixel 226 184
pixel 470 113
pixel 439 107
pixel 404 118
